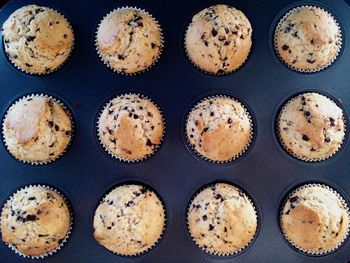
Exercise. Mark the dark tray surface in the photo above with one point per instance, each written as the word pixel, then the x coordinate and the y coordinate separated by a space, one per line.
pixel 85 172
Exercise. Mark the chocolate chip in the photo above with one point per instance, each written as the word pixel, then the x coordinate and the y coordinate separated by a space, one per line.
pixel 149 143
pixel 31 198
pixel 150 114
pixel 285 47
pixel 65 36
pixel 136 116
pixel 214 32
pixel 313 41
pixel 130 203
pixel 327 139
pixel 229 121
pixel 121 57
pixel 211 227
pixel 211 114
pixel 310 61
pixel 57 128
pixel 294 199
pixel 206 129
pixel 332 121
pixel 222 38
pixel 28 65
pixel 205 217
pixel 30 38
pixel 305 137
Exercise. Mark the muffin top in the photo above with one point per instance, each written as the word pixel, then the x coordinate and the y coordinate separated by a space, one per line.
pixel 131 127
pixel 37 129
pixel 35 221
pixel 311 127
pixel 315 219
pixel 37 39
pixel 308 39
pixel 222 219
pixel 129 40
pixel 129 220
pixel 219 129
pixel 219 39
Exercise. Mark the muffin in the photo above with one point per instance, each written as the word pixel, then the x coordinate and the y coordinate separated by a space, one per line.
pixel 35 221
pixel 219 39
pixel 222 219
pixel 131 127
pixel 37 129
pixel 219 129
pixel 37 39
pixel 129 220
pixel 129 40
pixel 315 219
pixel 308 39
pixel 311 127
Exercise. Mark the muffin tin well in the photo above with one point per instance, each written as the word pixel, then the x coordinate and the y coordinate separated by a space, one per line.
pixel 262 84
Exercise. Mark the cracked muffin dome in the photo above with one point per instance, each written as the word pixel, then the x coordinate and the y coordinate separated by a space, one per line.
pixel 219 39
pixel 131 127
pixel 129 220
pixel 315 219
pixel 219 129
pixel 129 40
pixel 37 129
pixel 222 220
pixel 37 39
pixel 308 39
pixel 35 221
pixel 311 127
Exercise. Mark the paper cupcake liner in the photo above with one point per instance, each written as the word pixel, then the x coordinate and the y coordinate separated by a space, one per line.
pixel 280 24
pixel 342 200
pixel 221 73
pixel 69 114
pixel 303 158
pixel 160 236
pixel 217 253
pixel 119 158
pixel 105 61
pixel 52 70
pixel 244 150
pixel 54 251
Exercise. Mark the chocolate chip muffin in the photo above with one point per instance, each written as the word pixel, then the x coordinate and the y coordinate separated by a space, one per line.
pixel 131 127
pixel 37 39
pixel 35 221
pixel 311 127
pixel 219 39
pixel 129 220
pixel 37 129
pixel 219 129
pixel 222 219
pixel 129 40
pixel 308 39
pixel 315 219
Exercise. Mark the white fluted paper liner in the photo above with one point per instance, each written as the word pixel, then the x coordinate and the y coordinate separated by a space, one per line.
pixel 54 251
pixel 68 112
pixel 13 62
pixel 193 148
pixel 111 153
pixel 319 253
pixel 160 236
pixel 217 253
pixel 306 70
pixel 105 61
pixel 304 158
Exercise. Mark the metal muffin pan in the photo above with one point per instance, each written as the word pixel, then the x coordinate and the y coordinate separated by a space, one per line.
pixel 85 173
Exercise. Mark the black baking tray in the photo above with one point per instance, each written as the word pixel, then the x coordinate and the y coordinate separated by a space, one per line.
pixel 267 173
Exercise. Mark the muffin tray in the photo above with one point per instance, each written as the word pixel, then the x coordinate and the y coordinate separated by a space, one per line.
pixel 265 172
